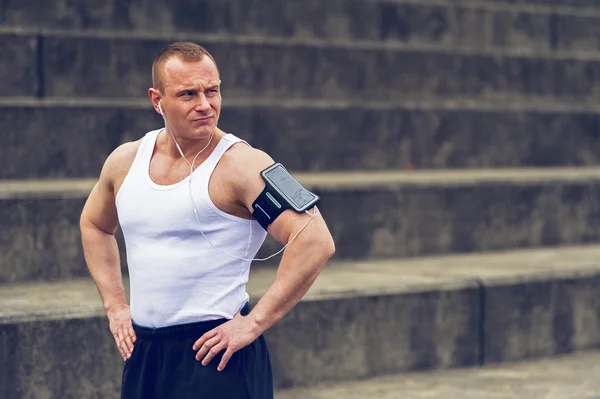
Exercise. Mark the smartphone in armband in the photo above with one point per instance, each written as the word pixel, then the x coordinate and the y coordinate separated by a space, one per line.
pixel 282 192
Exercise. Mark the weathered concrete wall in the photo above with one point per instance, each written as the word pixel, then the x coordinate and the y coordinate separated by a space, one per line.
pixel 102 67
pixel 40 236
pixel 480 25
pixel 359 320
pixel 320 340
pixel 74 141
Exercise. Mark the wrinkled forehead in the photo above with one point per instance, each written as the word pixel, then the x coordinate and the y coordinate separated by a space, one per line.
pixel 195 74
pixel 194 84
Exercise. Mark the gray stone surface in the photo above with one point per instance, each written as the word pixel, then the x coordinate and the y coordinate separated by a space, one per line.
pixel 74 141
pixel 522 30
pixel 536 303
pixel 348 324
pixel 40 240
pixel 395 216
pixel 546 5
pixel 366 139
pixel 352 338
pixel 18 65
pixel 65 358
pixel 411 221
pixel 541 318
pixel 432 23
pixel 288 18
pixel 577 34
pixel 66 141
pixel 567 377
pixel 94 67
pixel 359 319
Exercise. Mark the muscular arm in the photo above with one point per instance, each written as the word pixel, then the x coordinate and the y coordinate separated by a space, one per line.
pixel 98 225
pixel 302 261
pixel 300 265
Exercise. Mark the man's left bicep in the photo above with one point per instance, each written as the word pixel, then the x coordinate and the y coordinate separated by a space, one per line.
pixel 284 226
pixel 290 223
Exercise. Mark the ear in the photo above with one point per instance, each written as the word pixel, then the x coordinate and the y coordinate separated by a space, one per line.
pixel 155 97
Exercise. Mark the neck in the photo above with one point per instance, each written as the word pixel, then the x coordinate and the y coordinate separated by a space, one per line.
pixel 189 146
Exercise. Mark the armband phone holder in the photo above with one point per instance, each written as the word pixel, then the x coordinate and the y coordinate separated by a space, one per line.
pixel 282 192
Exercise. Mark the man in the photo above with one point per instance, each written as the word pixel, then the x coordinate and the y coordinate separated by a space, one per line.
pixel 183 196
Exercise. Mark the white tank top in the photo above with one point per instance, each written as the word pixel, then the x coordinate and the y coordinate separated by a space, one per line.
pixel 175 275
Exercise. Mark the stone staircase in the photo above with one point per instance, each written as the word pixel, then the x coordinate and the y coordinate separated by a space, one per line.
pixel 454 144
pixel 572 376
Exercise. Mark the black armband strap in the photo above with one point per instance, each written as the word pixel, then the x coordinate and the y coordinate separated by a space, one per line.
pixel 267 207
pixel 281 192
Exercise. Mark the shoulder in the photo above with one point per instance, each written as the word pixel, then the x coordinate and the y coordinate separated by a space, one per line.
pixel 243 165
pixel 246 160
pixel 119 162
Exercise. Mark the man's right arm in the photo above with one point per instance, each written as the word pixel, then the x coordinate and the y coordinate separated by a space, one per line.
pixel 98 225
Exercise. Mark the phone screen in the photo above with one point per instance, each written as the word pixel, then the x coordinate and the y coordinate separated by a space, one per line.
pixel 297 194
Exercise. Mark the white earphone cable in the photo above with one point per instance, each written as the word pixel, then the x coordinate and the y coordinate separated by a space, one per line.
pixel 312 215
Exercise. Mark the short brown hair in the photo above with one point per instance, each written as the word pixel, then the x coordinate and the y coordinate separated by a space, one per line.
pixel 185 51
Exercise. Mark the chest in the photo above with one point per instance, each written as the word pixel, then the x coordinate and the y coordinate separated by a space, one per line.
pixel 164 171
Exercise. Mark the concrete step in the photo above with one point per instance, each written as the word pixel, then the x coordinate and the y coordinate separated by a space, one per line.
pixel 121 68
pixel 72 138
pixel 20 65
pixel 370 215
pixel 573 376
pixel 558 5
pixel 359 320
pixel 81 66
pixel 523 25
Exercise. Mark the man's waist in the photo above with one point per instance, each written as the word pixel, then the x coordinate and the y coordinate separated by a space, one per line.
pixel 183 330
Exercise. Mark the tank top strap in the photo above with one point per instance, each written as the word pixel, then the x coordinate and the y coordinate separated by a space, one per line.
pixel 140 162
pixel 148 148
pixel 224 144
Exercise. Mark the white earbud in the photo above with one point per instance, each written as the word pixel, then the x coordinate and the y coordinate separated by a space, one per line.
pixel 160 108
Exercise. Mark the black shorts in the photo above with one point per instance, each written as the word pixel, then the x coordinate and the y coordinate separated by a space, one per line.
pixel 163 366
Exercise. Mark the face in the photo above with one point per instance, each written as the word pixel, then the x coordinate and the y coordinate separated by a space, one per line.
pixel 191 98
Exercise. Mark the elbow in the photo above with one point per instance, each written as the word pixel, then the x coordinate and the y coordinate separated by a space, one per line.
pixel 330 248
pixel 84 223
pixel 86 226
pixel 84 220
pixel 327 250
